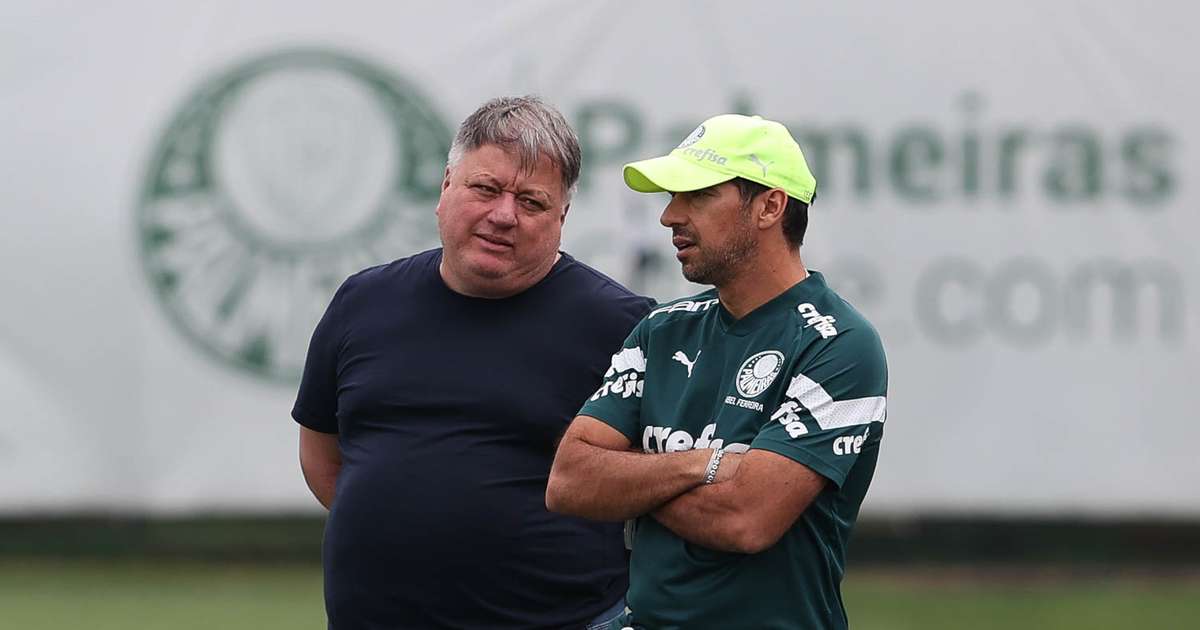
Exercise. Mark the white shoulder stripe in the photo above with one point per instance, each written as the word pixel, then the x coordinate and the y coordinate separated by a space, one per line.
pixel 831 414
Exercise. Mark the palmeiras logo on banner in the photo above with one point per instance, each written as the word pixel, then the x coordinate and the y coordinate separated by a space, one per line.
pixel 273 182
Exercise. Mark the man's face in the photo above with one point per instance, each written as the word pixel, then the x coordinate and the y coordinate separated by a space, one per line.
pixel 500 226
pixel 712 231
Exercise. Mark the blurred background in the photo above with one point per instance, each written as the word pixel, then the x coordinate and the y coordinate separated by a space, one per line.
pixel 1007 191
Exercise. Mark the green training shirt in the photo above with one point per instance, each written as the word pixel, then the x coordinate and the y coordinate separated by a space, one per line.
pixel 804 376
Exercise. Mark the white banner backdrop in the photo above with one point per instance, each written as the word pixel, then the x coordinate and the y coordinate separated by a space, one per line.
pixel 1007 193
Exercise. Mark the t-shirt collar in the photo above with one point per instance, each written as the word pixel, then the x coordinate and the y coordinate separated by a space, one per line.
pixel 806 290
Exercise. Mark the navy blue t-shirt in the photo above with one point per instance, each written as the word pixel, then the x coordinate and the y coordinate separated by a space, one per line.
pixel 447 410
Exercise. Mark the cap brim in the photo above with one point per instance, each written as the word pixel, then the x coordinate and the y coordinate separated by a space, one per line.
pixel 670 174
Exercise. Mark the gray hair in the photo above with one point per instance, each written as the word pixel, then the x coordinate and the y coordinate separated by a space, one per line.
pixel 527 126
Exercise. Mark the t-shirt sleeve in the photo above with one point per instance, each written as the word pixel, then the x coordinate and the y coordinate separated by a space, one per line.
pixel 834 407
pixel 316 401
pixel 618 402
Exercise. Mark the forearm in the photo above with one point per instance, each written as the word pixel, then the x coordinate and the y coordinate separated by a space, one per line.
pixel 709 516
pixel 603 484
pixel 323 484
pixel 765 494
pixel 320 462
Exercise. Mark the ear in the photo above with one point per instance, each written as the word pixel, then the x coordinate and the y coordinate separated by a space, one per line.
pixel 563 218
pixel 446 179
pixel 770 213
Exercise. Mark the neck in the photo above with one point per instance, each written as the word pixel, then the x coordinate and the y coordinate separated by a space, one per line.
pixel 766 277
pixel 489 288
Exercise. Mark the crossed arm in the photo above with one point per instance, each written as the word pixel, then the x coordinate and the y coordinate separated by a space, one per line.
pixel 755 499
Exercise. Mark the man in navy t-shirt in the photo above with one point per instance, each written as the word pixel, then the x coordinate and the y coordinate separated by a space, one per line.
pixel 435 390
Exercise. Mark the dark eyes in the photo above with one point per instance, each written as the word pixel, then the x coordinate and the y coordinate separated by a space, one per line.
pixel 531 203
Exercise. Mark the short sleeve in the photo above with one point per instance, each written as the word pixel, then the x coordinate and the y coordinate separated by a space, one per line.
pixel 316 401
pixel 834 407
pixel 618 402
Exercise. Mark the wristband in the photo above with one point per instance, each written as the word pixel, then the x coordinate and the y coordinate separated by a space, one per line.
pixel 714 462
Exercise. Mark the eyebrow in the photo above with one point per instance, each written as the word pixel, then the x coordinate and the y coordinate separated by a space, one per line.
pixel 492 179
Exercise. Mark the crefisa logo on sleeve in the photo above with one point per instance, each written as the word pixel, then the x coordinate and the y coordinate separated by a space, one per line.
pixel 272 182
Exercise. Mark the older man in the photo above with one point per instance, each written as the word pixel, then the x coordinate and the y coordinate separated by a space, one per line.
pixel 757 407
pixel 435 390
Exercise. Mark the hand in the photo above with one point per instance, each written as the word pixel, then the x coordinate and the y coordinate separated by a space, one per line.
pixel 728 467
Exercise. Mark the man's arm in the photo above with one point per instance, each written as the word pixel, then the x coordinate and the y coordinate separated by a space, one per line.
pixel 596 476
pixel 320 461
pixel 750 512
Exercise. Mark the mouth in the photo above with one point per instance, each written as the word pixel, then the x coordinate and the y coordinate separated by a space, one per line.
pixel 492 241
pixel 683 245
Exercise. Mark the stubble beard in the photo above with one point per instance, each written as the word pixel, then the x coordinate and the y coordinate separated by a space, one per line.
pixel 719 267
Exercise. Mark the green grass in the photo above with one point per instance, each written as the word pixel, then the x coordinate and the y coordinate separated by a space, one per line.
pixel 48 595
pixel 178 596
pixel 972 602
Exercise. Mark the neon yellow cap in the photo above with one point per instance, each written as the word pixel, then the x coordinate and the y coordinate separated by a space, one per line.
pixel 722 148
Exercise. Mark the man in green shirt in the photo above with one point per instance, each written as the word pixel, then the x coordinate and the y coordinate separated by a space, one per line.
pixel 740 427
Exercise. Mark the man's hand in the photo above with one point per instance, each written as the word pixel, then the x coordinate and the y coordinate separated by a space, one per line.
pixel 596 475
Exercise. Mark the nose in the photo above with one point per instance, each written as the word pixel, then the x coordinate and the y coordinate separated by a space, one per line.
pixel 504 211
pixel 671 215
